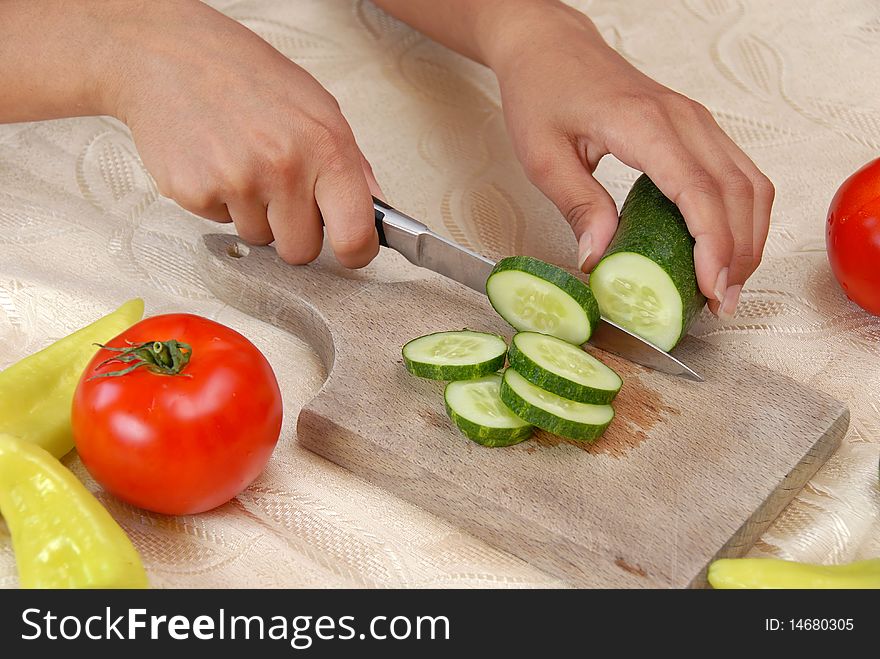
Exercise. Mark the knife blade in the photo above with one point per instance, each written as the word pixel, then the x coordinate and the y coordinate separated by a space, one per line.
pixel 424 248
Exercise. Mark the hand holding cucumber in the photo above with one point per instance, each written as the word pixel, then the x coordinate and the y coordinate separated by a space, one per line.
pixel 569 100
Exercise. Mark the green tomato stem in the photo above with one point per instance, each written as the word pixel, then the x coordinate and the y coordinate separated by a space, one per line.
pixel 160 357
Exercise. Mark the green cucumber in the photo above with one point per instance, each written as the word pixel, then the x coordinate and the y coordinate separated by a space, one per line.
pixel 475 407
pixel 562 368
pixel 536 296
pixel 567 418
pixel 646 281
pixel 460 355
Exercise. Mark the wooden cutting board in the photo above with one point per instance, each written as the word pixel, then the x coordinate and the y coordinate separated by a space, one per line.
pixel 687 471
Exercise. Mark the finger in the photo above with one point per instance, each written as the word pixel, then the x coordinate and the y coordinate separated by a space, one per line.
pixel 216 212
pixel 738 197
pixel 748 199
pixel 296 225
pixel 739 205
pixel 590 211
pixel 198 199
pixel 343 195
pixel 674 170
pixel 251 221
pixel 375 189
pixel 765 194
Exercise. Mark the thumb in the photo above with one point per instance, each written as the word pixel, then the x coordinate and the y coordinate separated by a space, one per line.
pixel 585 204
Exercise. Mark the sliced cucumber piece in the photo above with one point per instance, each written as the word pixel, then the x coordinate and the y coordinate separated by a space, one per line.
pixel 563 369
pixel 459 355
pixel 568 418
pixel 475 407
pixel 536 296
pixel 646 281
pixel 639 295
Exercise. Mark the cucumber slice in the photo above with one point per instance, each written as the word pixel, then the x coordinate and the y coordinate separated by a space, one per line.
pixel 455 355
pixel 580 421
pixel 475 407
pixel 646 281
pixel 563 369
pixel 535 296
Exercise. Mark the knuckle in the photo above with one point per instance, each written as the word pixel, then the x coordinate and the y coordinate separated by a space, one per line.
pixel 650 110
pixel 331 104
pixel 539 165
pixel 690 108
pixel 183 192
pixel 336 163
pixel 738 185
pixel 280 162
pixel 764 187
pixel 245 180
pixel 726 245
pixel 241 184
pixel 272 158
pixel 199 199
pixel 701 182
pixel 331 139
pixel 702 114
pixel 756 261
pixel 201 190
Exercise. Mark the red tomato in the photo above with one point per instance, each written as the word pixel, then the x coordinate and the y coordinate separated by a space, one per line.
pixel 185 443
pixel 853 237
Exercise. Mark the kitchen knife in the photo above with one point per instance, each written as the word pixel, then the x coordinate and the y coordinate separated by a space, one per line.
pixel 424 248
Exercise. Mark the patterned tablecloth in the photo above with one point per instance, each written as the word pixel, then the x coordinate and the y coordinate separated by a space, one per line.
pixel 82 228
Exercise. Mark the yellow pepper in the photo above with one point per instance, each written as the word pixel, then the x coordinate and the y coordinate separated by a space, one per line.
pixel 37 392
pixel 775 573
pixel 62 536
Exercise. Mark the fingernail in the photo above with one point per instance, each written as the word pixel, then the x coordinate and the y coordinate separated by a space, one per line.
pixel 720 285
pixel 585 248
pixel 728 306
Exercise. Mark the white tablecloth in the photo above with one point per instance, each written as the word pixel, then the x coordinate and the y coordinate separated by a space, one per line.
pixel 795 83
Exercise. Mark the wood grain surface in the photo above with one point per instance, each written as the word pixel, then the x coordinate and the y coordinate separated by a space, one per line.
pixel 687 471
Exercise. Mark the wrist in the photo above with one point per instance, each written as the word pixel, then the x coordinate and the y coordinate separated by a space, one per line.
pixel 131 36
pixel 512 31
pixel 104 26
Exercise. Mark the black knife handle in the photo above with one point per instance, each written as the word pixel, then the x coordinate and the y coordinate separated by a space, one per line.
pixel 380 208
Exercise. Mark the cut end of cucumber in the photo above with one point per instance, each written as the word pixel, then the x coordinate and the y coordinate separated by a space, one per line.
pixel 459 355
pixel 475 407
pixel 535 296
pixel 636 293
